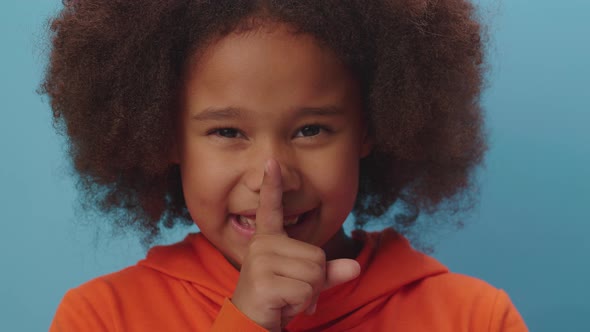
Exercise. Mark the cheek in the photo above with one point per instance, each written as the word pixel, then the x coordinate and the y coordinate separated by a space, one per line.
pixel 206 180
pixel 334 175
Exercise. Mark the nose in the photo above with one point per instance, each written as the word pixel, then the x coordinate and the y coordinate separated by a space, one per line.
pixel 290 176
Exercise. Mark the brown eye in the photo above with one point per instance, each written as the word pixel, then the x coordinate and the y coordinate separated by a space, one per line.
pixel 309 131
pixel 226 132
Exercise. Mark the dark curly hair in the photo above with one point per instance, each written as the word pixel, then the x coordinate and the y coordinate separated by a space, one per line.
pixel 116 67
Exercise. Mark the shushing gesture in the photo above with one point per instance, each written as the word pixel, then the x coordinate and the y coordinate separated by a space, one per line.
pixel 281 277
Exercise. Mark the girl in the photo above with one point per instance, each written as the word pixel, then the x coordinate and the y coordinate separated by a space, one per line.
pixel 267 123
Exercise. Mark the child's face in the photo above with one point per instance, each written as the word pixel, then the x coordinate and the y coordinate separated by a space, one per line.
pixel 269 94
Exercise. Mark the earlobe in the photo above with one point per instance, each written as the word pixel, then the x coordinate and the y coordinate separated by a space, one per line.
pixel 367 143
pixel 366 146
pixel 174 156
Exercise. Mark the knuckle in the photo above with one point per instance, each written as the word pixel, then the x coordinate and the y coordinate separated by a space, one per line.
pixel 319 255
pixel 314 270
pixel 307 292
pixel 320 278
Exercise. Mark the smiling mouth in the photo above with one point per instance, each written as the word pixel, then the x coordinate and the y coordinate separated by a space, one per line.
pixel 250 221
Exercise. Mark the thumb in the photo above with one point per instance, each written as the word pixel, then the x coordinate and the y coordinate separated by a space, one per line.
pixel 339 271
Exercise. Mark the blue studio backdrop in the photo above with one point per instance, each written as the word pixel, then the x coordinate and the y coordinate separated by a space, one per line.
pixel 528 235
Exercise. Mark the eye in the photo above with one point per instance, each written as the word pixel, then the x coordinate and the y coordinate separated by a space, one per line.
pixel 310 130
pixel 226 132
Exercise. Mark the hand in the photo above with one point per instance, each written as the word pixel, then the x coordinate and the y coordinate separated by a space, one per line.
pixel 281 277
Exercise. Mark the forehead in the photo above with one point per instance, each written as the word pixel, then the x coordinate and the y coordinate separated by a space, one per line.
pixel 266 68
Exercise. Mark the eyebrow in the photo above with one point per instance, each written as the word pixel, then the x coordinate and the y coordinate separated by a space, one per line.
pixel 213 113
pixel 226 113
pixel 321 111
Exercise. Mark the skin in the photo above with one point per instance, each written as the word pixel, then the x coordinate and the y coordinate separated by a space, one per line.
pixel 272 127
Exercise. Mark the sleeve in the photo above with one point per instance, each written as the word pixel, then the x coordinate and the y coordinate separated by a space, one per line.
pixel 75 313
pixel 505 317
pixel 232 319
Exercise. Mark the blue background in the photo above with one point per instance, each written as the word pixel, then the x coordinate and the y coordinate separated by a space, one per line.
pixel 529 235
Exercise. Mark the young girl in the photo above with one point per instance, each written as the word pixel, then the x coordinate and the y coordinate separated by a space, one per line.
pixel 267 123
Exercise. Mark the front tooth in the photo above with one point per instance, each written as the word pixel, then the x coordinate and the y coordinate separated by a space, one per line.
pixel 291 221
pixel 247 221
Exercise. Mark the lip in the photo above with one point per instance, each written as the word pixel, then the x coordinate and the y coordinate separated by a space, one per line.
pixel 252 213
pixel 239 228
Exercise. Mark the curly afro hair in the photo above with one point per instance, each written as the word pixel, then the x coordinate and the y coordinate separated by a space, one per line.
pixel 116 67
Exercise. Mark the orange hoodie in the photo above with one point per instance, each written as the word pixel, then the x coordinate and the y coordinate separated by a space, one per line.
pixel 187 286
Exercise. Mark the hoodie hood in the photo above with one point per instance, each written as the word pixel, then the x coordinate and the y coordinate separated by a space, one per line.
pixel 388 264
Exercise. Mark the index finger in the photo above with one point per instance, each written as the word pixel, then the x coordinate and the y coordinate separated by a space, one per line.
pixel 269 215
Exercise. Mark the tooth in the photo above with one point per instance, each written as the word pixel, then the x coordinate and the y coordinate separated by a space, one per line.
pixel 252 222
pixel 291 221
pixel 247 221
